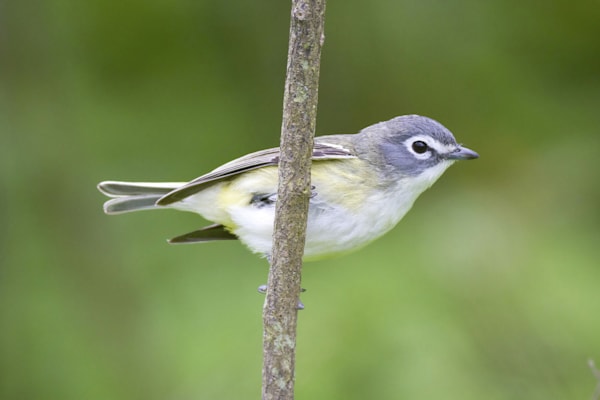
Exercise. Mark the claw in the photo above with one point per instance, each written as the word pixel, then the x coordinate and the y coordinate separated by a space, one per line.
pixel 263 290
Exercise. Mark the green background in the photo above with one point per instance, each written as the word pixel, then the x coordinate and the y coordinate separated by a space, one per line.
pixel 488 289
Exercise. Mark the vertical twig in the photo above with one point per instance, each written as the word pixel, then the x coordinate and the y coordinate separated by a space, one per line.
pixel 596 374
pixel 297 131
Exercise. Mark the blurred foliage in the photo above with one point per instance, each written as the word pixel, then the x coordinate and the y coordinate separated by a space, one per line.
pixel 488 289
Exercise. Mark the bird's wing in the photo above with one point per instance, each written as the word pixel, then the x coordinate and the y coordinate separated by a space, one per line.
pixel 322 150
pixel 207 234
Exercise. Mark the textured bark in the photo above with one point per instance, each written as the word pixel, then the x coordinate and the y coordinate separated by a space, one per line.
pixel 297 132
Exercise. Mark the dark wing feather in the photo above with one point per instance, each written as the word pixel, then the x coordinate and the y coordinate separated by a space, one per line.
pixel 206 234
pixel 259 159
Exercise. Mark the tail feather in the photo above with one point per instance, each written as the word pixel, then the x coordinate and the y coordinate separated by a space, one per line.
pixel 134 196
pixel 121 205
pixel 116 188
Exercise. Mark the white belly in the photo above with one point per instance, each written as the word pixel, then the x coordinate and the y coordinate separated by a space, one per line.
pixel 332 229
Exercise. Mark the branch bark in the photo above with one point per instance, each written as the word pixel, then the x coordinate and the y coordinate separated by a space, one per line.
pixel 298 127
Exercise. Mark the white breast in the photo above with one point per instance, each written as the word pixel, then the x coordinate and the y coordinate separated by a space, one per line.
pixel 334 229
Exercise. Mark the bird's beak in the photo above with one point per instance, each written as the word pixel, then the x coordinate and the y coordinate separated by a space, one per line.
pixel 462 153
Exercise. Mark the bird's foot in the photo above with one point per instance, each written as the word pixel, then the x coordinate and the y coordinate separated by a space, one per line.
pixel 263 289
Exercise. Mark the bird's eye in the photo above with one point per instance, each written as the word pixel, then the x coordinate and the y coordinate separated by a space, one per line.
pixel 419 147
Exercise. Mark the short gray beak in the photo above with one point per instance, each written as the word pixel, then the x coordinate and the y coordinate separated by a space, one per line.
pixel 462 153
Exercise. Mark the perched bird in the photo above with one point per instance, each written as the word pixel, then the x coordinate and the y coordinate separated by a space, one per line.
pixel 363 184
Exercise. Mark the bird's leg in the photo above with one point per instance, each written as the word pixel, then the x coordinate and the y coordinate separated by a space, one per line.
pixel 263 288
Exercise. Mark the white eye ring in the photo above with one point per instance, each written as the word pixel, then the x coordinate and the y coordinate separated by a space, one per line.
pixel 413 144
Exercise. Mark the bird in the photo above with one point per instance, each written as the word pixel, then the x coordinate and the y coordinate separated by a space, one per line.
pixel 362 185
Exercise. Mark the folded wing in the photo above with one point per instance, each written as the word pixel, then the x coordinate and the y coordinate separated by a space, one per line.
pixel 259 159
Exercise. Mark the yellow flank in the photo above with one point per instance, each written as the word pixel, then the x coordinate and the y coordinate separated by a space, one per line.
pixel 345 183
pixel 238 192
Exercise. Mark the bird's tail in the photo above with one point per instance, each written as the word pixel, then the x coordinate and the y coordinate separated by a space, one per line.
pixel 134 196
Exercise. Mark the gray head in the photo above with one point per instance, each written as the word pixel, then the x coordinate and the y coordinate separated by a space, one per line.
pixel 412 145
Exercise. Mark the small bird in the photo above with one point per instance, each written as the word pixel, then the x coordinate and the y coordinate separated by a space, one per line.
pixel 362 185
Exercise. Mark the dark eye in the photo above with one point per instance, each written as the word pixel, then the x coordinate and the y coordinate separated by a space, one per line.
pixel 419 147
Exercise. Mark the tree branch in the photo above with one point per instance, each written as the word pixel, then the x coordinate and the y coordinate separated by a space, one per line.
pixel 297 132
